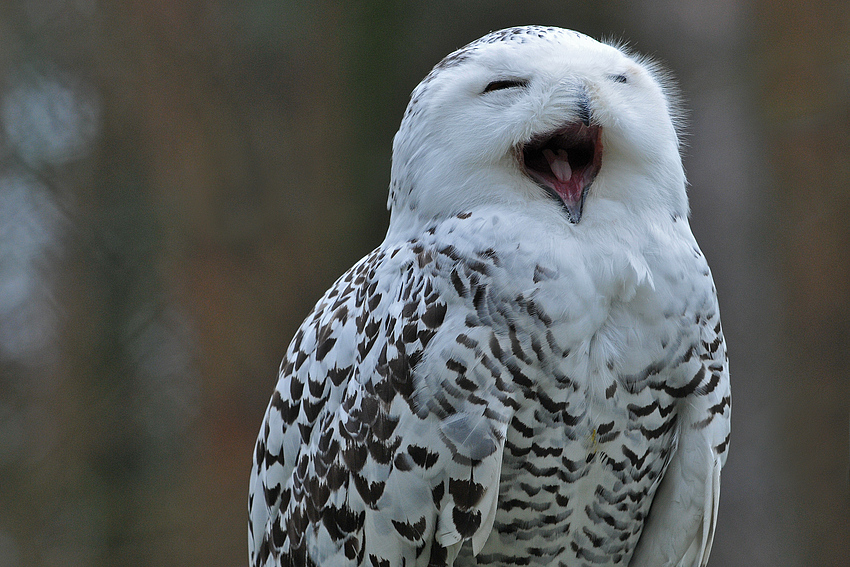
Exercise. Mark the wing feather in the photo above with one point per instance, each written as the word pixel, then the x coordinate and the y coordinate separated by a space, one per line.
pixel 679 529
pixel 370 450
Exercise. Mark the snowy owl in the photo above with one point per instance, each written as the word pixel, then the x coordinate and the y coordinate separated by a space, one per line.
pixel 530 369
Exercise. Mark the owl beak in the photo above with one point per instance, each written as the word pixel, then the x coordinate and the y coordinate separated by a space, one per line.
pixel 565 162
pixel 574 209
pixel 584 108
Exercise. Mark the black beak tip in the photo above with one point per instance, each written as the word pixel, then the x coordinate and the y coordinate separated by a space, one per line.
pixel 574 211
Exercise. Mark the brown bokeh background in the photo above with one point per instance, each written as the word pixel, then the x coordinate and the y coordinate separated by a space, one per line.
pixel 181 180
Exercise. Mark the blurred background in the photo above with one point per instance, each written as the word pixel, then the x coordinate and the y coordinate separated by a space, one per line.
pixel 181 180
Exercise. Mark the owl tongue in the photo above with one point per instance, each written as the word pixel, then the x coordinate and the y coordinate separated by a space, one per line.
pixel 564 163
pixel 560 166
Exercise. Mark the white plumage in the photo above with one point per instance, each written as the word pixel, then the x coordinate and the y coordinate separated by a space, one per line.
pixel 530 368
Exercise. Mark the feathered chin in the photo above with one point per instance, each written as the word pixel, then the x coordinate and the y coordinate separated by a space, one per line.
pixel 565 163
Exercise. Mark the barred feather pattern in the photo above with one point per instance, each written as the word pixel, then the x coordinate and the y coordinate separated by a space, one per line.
pixel 530 369
pixel 431 399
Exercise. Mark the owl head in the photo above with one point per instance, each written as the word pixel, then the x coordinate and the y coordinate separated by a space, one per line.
pixel 542 122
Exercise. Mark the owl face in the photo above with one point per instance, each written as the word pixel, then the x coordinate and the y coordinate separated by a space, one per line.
pixel 538 119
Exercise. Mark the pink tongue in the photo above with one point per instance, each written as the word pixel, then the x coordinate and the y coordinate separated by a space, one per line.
pixel 559 164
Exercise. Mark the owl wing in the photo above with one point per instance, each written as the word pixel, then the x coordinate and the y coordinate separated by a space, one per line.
pixel 380 446
pixel 680 526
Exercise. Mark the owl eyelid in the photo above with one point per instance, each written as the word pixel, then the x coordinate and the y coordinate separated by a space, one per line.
pixel 619 78
pixel 505 84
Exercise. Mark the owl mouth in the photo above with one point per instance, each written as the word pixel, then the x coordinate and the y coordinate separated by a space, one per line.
pixel 565 163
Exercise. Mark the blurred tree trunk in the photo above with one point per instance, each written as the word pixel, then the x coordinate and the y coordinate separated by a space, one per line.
pixel 802 54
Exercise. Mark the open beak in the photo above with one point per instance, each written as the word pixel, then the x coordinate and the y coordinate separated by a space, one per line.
pixel 565 162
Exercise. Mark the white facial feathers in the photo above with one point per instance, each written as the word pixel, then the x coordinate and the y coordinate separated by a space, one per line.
pixel 460 144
